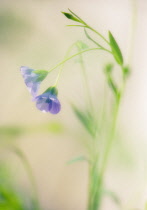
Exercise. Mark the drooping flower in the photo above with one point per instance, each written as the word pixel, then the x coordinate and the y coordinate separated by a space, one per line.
pixel 33 78
pixel 48 101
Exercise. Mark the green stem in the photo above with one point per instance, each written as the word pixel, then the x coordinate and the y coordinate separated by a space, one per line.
pixel 93 174
pixel 92 29
pixel 87 89
pixel 111 138
pixel 86 25
pixel 58 76
pixel 28 168
pixel 87 35
pixel 106 153
pixel 62 62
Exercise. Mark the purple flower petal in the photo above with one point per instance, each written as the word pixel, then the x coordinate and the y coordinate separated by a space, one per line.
pixel 48 103
pixel 54 105
pixel 30 79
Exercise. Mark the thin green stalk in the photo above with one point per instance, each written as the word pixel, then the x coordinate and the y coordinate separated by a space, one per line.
pixel 28 168
pixel 111 137
pixel 87 89
pixel 92 29
pixel 58 76
pixel 106 153
pixel 93 174
pixel 86 25
pixel 62 62
pixel 87 35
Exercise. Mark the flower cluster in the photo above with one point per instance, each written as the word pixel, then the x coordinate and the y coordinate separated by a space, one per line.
pixel 46 102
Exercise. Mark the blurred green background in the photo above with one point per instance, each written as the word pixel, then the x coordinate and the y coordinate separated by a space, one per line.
pixel 34 33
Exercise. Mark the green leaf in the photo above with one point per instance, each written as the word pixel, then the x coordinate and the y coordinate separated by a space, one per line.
pixel 11 196
pixel 71 17
pixel 80 20
pixel 112 85
pixel 108 71
pixel 115 49
pixel 86 119
pixel 77 159
pixel 10 131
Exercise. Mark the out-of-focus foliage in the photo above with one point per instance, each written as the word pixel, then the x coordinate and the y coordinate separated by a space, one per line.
pixel 13 27
pixel 14 131
pixel 11 196
pixel 7 132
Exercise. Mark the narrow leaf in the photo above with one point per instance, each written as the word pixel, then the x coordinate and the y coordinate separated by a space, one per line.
pixel 77 159
pixel 86 119
pixel 88 36
pixel 112 85
pixel 115 49
pixel 71 17
pixel 80 20
pixel 108 71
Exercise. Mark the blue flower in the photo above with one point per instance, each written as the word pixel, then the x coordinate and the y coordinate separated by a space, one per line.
pixel 48 102
pixel 32 79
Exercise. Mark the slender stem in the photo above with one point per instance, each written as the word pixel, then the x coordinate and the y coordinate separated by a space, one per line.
pixel 111 138
pixel 92 29
pixel 87 89
pixel 88 26
pixel 62 62
pixel 87 35
pixel 83 26
pixel 58 76
pixel 107 152
pixel 93 177
pixel 28 168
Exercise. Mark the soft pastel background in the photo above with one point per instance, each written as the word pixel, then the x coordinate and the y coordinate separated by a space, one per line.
pixel 34 33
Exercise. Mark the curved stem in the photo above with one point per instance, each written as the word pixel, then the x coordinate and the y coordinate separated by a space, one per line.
pixel 28 168
pixel 88 26
pixel 62 62
pixel 106 154
pixel 87 89
pixel 111 138
pixel 87 35
pixel 58 76
pixel 92 29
